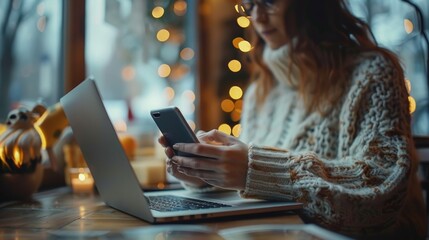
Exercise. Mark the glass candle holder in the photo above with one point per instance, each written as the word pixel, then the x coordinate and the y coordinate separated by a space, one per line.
pixel 81 180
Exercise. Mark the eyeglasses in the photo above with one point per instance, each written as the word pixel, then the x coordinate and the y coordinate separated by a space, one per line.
pixel 246 7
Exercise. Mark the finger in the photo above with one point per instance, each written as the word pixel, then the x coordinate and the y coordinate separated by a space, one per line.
pixel 216 136
pixel 197 163
pixel 203 175
pixel 162 141
pixel 199 133
pixel 200 149
pixel 169 152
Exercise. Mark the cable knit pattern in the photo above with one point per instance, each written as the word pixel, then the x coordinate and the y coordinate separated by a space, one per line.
pixel 353 169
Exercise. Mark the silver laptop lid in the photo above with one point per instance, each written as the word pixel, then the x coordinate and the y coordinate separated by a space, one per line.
pixel 114 177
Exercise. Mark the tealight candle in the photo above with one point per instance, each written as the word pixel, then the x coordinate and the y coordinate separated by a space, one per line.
pixel 82 182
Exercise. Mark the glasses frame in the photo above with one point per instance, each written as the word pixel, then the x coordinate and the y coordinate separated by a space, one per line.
pixel 246 7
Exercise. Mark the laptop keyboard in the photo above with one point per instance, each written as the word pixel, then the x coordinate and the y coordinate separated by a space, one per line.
pixel 169 203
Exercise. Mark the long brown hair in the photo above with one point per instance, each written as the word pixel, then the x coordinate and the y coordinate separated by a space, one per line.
pixel 324 33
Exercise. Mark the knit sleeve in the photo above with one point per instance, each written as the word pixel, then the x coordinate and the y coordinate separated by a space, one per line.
pixel 366 184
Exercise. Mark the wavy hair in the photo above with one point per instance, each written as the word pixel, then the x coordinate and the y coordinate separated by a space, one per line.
pixel 325 34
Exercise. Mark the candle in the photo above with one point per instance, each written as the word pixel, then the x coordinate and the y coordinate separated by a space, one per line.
pixel 82 182
pixel 149 172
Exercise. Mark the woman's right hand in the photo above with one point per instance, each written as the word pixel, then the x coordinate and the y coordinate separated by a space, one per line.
pixel 172 168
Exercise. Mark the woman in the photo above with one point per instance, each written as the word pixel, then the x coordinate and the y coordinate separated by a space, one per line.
pixel 326 122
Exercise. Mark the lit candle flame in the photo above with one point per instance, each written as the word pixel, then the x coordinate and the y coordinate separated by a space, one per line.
pixel 82 177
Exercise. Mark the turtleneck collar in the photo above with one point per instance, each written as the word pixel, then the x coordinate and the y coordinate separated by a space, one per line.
pixel 277 60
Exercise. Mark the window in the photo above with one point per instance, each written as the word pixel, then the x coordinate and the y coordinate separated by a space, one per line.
pixel 30 53
pixel 396 25
pixel 142 56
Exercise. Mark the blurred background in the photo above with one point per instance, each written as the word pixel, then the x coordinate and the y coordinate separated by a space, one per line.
pixel 151 54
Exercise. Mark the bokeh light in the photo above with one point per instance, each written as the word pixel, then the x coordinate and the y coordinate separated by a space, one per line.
pixel 164 70
pixel 158 12
pixel 227 105
pixel 163 35
pixel 225 128
pixel 234 65
pixel 235 92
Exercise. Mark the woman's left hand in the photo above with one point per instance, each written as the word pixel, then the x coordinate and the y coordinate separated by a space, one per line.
pixel 223 162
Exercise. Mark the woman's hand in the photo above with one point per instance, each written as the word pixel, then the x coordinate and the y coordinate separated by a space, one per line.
pixel 223 162
pixel 172 168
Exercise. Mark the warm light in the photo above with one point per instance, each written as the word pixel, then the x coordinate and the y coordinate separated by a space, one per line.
pixel 82 211
pixel 239 104
pixel 160 185
pixel 236 115
pixel 164 70
pixel 120 126
pixel 163 35
pixel 225 128
pixel 243 22
pixel 187 54
pixel 2 155
pixel 413 104
pixel 244 46
pixel 189 95
pixel 408 25
pixel 179 71
pixel 236 130
pixel 408 85
pixel 236 8
pixel 128 73
pixel 234 65
pixel 17 156
pixel 236 41
pixel 169 91
pixel 227 105
pixel 82 177
pixel 180 7
pixel 235 92
pixel 158 12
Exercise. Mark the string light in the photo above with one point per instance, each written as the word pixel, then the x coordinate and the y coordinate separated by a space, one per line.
pixel 180 7
pixel 408 25
pixel 163 35
pixel 243 22
pixel 169 91
pixel 236 41
pixel 227 105
pixel 187 53
pixel 128 73
pixel 234 65
pixel 158 12
pixel 235 92
pixel 236 130
pixel 164 70
pixel 225 128
pixel 413 104
pixel 244 46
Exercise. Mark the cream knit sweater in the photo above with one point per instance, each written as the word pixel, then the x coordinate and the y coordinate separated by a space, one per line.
pixel 355 169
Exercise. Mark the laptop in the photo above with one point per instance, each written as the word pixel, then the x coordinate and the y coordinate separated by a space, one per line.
pixel 117 183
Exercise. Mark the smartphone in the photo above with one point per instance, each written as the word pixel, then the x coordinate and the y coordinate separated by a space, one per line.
pixel 174 127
